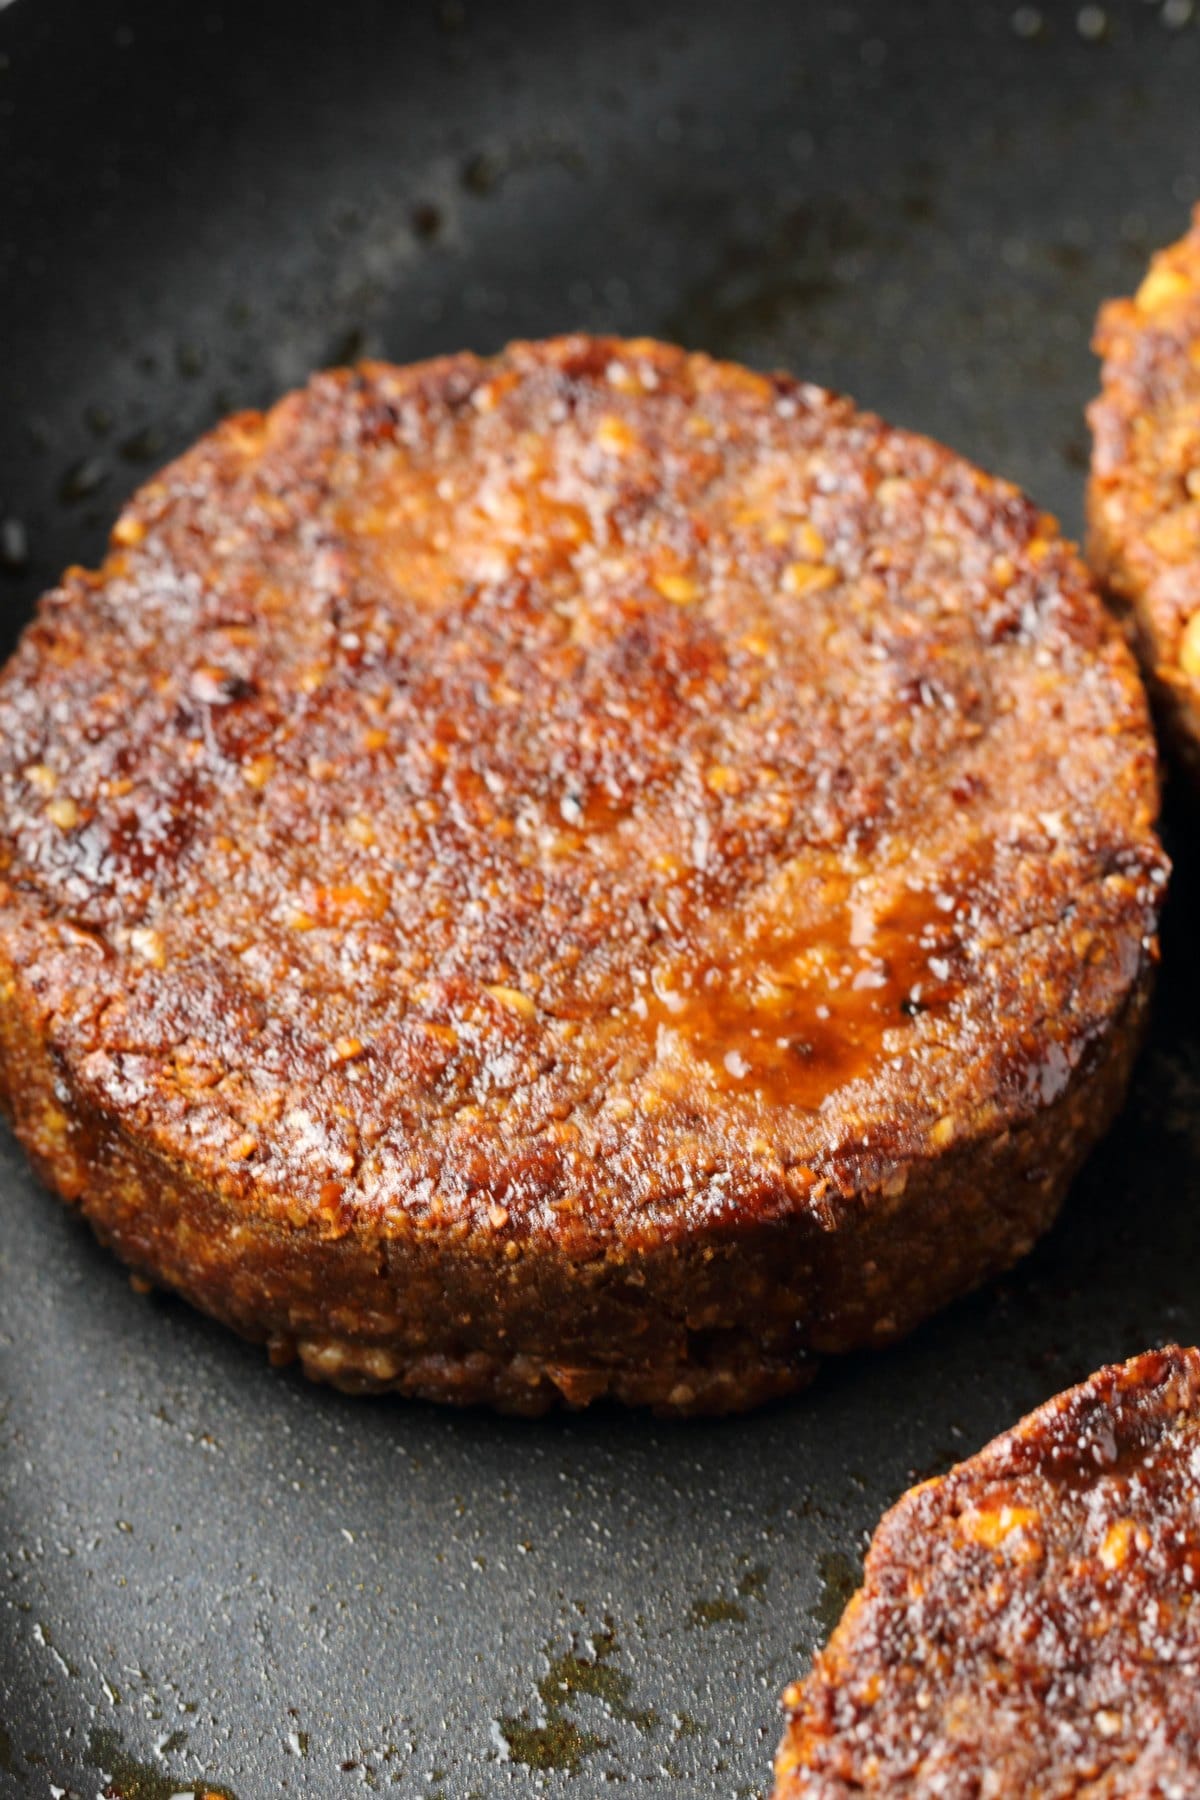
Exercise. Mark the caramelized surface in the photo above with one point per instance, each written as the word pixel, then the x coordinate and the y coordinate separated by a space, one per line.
pixel 1027 1624
pixel 1144 493
pixel 794 1013
pixel 573 793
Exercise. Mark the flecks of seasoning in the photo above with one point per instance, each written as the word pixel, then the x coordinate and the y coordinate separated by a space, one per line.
pixel 81 479
pixel 98 419
pixel 258 771
pixel 681 590
pixel 1177 13
pixel 808 578
pixel 215 686
pixel 64 813
pixel 512 999
pixel 1027 22
pixel 14 547
pixel 147 944
pixel 614 436
pixel 1091 22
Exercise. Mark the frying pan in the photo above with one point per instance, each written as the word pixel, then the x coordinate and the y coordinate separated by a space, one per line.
pixel 210 1573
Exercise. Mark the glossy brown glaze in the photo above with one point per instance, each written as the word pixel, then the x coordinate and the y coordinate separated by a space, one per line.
pixel 799 1010
pixel 1027 1628
pixel 1144 494
pixel 597 863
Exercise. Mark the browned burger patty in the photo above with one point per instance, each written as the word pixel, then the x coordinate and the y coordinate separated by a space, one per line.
pixel 1028 1627
pixel 591 873
pixel 1144 495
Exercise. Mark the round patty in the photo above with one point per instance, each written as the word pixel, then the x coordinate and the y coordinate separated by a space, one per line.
pixel 590 873
pixel 1026 1625
pixel 1144 494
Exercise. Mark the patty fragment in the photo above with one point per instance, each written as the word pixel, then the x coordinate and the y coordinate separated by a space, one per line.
pixel 590 873
pixel 1026 1628
pixel 1144 493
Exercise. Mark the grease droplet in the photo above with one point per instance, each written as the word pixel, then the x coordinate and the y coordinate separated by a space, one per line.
pixel 82 479
pixel 14 547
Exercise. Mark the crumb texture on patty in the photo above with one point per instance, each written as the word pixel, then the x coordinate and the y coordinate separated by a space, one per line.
pixel 1027 1628
pixel 590 871
pixel 1144 493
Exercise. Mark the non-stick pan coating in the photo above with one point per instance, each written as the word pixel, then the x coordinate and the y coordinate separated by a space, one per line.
pixel 206 1568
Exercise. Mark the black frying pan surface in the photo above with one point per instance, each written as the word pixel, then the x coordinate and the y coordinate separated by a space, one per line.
pixel 209 1570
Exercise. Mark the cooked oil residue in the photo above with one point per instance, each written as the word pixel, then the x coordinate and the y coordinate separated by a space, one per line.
pixel 752 1585
pixel 716 1612
pixel 129 1779
pixel 839 1576
pixel 559 1743
pixel 1168 1093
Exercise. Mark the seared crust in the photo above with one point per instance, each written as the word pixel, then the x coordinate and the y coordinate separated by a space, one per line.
pixel 1144 493
pixel 1026 1628
pixel 590 873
